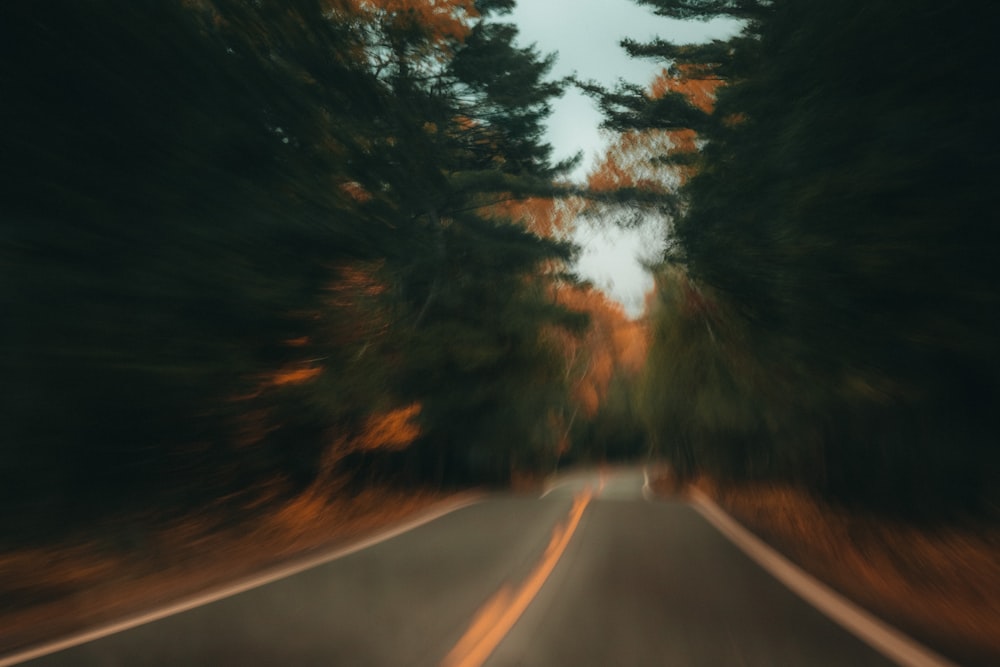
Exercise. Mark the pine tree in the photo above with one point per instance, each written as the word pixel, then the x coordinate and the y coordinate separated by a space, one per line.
pixel 838 214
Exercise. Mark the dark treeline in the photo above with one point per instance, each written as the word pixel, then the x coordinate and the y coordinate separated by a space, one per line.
pixel 249 247
pixel 828 306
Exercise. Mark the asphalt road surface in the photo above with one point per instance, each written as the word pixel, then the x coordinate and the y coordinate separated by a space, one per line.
pixel 590 574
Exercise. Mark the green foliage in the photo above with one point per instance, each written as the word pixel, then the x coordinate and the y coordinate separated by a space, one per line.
pixel 486 7
pixel 158 232
pixel 704 10
pixel 731 60
pixel 187 188
pixel 841 219
pixel 629 107
pixel 616 432
pixel 477 361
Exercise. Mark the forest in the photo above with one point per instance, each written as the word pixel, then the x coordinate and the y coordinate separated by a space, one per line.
pixel 827 307
pixel 250 248
pixel 254 248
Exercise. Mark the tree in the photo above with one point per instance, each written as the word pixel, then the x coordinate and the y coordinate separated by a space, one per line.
pixel 234 235
pixel 601 369
pixel 166 217
pixel 842 237
pixel 703 10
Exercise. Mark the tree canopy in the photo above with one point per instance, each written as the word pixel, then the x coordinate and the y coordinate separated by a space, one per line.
pixel 250 247
pixel 827 302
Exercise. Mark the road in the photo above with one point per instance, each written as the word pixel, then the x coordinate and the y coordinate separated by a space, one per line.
pixel 590 574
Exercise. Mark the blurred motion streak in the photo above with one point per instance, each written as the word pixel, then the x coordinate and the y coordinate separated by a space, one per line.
pixel 499 614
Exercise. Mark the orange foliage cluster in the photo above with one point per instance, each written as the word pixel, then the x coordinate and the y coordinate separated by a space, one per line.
pixel 357 316
pixel 353 321
pixel 440 20
pixel 629 161
pixel 294 376
pixel 358 279
pixel 689 81
pixel 356 191
pixel 394 429
pixel 631 344
pixel 613 344
pixel 545 217
pixel 356 319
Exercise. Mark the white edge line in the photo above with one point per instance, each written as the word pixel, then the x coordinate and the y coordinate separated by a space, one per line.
pixel 269 576
pixel 547 492
pixel 882 637
pixel 647 490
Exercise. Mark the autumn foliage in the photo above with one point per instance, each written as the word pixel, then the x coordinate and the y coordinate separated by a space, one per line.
pixel 825 300
pixel 262 247
pixel 601 369
pixel 695 83
pixel 639 158
pixel 443 21
pixel 613 343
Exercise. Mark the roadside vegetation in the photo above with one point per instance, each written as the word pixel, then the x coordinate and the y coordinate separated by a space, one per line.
pixel 827 306
pixel 822 351
pixel 117 569
pixel 252 248
pixel 282 264
pixel 936 585
pixel 275 272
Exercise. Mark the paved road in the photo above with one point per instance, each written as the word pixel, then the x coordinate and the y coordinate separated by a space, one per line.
pixel 590 574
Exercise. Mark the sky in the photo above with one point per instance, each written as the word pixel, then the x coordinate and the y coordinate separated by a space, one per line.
pixel 585 35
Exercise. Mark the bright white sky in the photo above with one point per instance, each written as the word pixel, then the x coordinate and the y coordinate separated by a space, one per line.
pixel 585 34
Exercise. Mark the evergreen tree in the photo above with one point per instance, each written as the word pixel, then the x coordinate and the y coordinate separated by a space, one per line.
pixel 840 214
pixel 237 238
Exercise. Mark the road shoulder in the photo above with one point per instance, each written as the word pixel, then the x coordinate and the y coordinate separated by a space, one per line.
pixel 940 587
pixel 76 589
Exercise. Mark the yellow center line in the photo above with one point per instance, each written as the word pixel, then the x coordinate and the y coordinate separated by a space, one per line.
pixel 495 619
